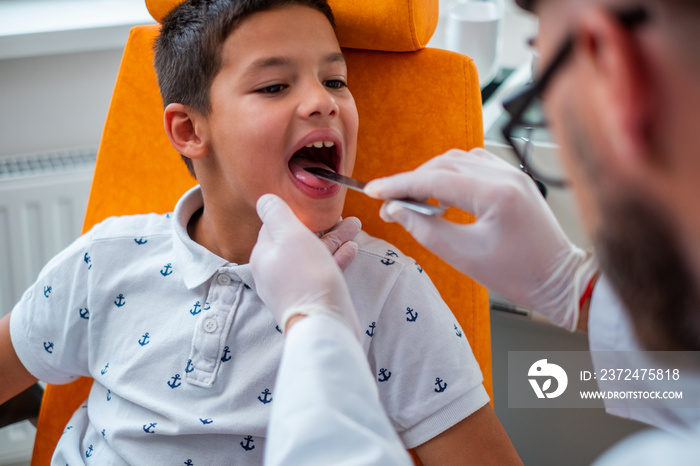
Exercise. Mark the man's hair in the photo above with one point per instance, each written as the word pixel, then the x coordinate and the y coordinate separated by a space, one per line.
pixel 188 48
pixel 528 5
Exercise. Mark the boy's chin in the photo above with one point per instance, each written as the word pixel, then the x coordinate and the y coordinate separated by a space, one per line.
pixel 319 223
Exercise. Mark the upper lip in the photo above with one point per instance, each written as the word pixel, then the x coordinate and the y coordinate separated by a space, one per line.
pixel 324 134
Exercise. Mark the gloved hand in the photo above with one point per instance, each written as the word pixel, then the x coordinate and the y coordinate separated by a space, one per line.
pixel 294 271
pixel 516 247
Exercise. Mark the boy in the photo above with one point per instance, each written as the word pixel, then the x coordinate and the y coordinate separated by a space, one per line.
pixel 161 310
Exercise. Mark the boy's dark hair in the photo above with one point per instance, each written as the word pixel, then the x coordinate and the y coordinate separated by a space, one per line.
pixel 188 48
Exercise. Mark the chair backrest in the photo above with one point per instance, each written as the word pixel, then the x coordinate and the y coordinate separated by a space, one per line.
pixel 414 103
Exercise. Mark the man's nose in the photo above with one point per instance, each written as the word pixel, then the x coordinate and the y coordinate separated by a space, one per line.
pixel 317 102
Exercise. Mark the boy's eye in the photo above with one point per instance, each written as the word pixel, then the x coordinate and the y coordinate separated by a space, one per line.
pixel 335 84
pixel 274 89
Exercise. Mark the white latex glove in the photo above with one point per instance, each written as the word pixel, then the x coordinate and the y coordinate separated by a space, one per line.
pixel 295 274
pixel 516 247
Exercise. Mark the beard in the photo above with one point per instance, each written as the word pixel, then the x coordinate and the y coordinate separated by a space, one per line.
pixel 641 254
pixel 641 257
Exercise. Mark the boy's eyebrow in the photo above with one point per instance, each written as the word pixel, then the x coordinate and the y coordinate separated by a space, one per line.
pixel 335 57
pixel 270 62
pixel 276 62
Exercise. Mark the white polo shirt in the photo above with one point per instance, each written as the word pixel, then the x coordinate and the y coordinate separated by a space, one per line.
pixel 184 354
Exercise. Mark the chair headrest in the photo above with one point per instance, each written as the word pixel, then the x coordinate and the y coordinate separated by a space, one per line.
pixel 388 25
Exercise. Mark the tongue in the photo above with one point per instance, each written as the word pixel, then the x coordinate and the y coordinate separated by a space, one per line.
pixel 297 165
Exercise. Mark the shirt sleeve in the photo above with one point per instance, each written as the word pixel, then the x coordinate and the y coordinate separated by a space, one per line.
pixel 610 330
pixel 49 324
pixel 427 375
pixel 327 408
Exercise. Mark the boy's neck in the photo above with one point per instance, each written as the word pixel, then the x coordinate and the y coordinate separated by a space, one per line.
pixel 232 240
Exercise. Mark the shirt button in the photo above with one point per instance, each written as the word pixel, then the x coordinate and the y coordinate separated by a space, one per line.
pixel 209 325
pixel 223 280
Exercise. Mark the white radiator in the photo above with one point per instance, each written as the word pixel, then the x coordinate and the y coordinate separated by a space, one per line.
pixel 42 204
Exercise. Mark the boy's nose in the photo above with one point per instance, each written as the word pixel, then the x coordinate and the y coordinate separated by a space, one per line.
pixel 318 102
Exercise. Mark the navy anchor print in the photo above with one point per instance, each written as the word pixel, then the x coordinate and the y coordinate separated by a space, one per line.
pixel 441 386
pixel 189 368
pixel 371 327
pixel 384 375
pixel 265 400
pixel 197 308
pixel 412 315
pixel 167 269
pixel 175 381
pixel 120 301
pixel 387 260
pixel 248 440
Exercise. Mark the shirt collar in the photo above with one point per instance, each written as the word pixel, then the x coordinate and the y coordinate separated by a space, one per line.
pixel 200 264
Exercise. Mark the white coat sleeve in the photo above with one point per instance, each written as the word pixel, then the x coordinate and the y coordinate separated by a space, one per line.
pixel 653 447
pixel 610 329
pixel 327 408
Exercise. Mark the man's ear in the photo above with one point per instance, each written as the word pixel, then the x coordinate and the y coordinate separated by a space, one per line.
pixel 623 84
pixel 186 129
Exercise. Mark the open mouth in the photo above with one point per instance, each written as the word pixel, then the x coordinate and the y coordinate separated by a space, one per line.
pixel 321 154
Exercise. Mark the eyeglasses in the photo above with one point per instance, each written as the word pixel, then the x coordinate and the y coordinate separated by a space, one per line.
pixel 527 118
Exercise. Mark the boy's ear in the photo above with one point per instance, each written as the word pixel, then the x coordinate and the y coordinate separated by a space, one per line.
pixel 186 130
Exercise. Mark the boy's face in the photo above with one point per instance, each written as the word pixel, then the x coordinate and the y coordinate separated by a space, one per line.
pixel 279 104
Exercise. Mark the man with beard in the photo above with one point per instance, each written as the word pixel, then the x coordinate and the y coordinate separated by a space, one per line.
pixel 620 83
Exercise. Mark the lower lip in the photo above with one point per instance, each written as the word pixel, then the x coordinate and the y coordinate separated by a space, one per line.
pixel 316 193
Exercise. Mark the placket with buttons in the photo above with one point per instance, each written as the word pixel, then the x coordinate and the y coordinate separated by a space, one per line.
pixel 213 327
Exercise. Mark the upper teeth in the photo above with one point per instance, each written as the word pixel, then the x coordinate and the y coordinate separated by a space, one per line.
pixel 319 144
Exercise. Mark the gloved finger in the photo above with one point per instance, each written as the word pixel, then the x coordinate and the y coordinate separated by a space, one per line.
pixel 277 215
pixel 345 254
pixel 403 185
pixel 409 185
pixel 474 188
pixel 450 185
pixel 435 233
pixel 264 236
pixel 264 248
pixel 342 232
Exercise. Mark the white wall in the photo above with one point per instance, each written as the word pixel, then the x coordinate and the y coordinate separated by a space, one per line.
pixel 55 102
